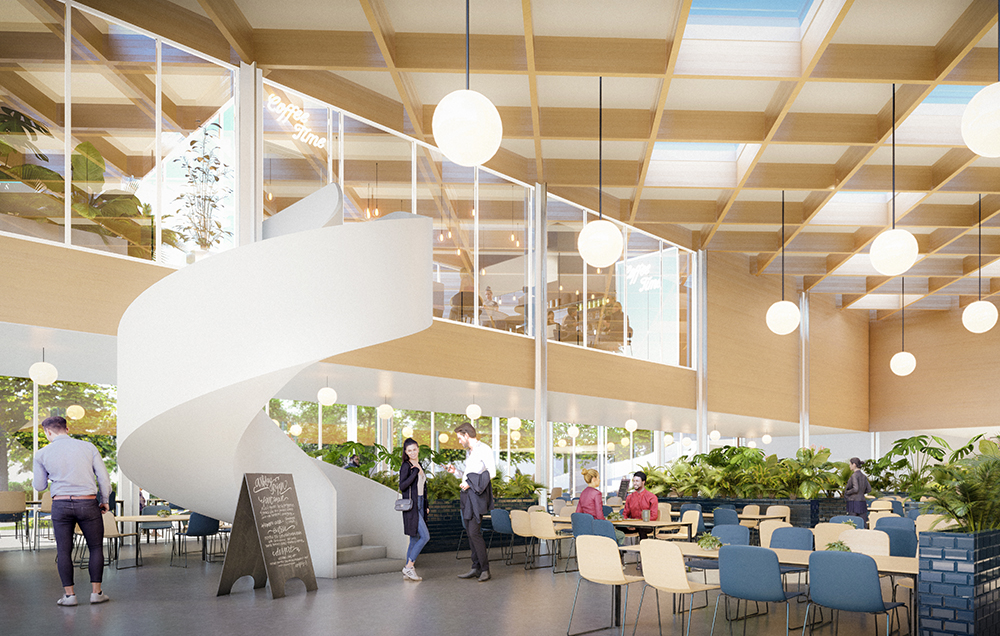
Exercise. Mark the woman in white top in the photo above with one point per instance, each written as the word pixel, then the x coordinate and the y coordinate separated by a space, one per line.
pixel 413 485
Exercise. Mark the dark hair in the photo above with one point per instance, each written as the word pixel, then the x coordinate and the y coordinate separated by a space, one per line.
pixel 55 423
pixel 466 428
pixel 407 442
pixel 856 462
pixel 641 475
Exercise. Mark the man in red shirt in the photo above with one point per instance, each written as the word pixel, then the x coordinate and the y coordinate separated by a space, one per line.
pixel 641 499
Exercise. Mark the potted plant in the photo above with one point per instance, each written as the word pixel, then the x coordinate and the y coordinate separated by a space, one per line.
pixel 208 180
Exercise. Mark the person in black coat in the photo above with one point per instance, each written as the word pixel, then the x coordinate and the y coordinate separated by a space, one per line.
pixel 413 485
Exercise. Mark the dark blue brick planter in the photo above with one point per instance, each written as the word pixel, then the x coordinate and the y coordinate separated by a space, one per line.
pixel 445 523
pixel 806 513
pixel 959 583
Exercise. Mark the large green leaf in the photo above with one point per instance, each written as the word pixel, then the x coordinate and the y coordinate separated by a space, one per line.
pixel 88 167
pixel 38 177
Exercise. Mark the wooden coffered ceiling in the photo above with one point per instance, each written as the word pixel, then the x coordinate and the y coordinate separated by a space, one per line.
pixel 711 110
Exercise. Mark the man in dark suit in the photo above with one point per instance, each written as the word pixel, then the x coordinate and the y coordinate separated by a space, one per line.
pixel 476 498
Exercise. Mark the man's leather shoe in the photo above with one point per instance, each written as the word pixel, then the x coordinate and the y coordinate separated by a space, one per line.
pixel 485 576
pixel 471 574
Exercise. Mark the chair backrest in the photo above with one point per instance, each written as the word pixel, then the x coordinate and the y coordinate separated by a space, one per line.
pixel 557 492
pixel 751 509
pixel 750 573
pixel 664 565
pixel 903 523
pixel 792 539
pixel 726 506
pixel 614 500
pixel 568 509
pixel 826 533
pixel 110 526
pixel 582 523
pixel 201 526
pixel 607 510
pixel 873 517
pixel 902 541
pixel 725 516
pixel 780 510
pixel 932 523
pixel 46 505
pixel 13 501
pixel 155 525
pixel 881 504
pixel 665 510
pixel 541 524
pixel 604 528
pixel 845 581
pixel 500 520
pixel 536 508
pixel 913 513
pixel 731 534
pixel 870 542
pixel 599 560
pixel 897 508
pixel 558 505
pixel 520 523
pixel 701 521
pixel 692 517
pixel 767 527
pixel 859 523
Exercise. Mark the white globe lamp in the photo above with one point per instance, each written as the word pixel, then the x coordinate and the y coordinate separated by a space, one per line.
pixel 715 436
pixel 783 317
pixel 668 439
pixel 981 122
pixel 893 252
pixel 686 442
pixel 514 423
pixel 473 411
pixel 980 316
pixel 407 431
pixel 766 438
pixel 75 412
pixel 573 431
pixel 610 447
pixel 443 438
pixel 752 444
pixel 384 411
pixel 561 443
pixel 43 373
pixel 631 426
pixel 326 396
pixel 600 243
pixel 467 128
pixel 903 363
pixel 295 430
pixel 276 422
pixel 626 441
pixel 515 436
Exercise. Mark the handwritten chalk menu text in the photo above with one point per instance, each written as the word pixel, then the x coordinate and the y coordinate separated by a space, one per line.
pixel 268 539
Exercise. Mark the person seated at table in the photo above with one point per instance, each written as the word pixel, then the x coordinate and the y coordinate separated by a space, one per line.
pixel 570 331
pixel 639 500
pixel 590 499
pixel 490 302
pixel 551 326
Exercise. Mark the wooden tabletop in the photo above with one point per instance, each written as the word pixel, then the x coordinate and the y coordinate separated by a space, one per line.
pixel 141 518
pixel 652 523
pixel 886 564
pixel 761 517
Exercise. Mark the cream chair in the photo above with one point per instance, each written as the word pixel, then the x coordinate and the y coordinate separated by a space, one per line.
pixel 870 542
pixel 767 527
pixel 601 564
pixel 780 510
pixel 114 538
pixel 558 505
pixel 536 508
pixel 750 509
pixel 665 511
pixel 615 501
pixel 690 517
pixel 873 517
pixel 933 523
pixel 14 502
pixel 568 509
pixel 881 504
pixel 520 523
pixel 827 533
pixel 664 570
pixel 543 529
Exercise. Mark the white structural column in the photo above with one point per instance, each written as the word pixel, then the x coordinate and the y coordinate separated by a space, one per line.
pixel 700 324
pixel 352 422
pixel 249 176
pixel 804 373
pixel 539 253
pixel 198 359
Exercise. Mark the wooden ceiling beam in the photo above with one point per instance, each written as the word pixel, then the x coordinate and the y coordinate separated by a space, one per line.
pixel 233 25
pixel 529 57
pixel 317 50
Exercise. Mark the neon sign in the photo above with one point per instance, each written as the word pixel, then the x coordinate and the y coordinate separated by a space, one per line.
pixel 290 113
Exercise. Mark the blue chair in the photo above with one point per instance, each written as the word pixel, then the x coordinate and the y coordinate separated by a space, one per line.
pixel 583 523
pixel 902 542
pixel 607 510
pixel 903 523
pixel 500 521
pixel 792 539
pixel 604 528
pixel 146 526
pixel 750 573
pixel 859 523
pixel 847 581
pixel 913 513
pixel 701 518
pixel 726 507
pixel 728 535
pixel 198 526
pixel 897 508
pixel 726 516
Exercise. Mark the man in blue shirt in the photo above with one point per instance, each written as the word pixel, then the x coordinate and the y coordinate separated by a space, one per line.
pixel 77 499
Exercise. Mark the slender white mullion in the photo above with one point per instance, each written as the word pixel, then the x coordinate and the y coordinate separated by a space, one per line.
pixel 329 146
pixel 475 243
pixel 624 290
pixel 158 149
pixel 68 125
pixel 413 177
pixel 340 150
pixel 586 303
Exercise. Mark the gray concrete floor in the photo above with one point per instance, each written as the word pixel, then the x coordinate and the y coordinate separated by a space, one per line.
pixel 157 599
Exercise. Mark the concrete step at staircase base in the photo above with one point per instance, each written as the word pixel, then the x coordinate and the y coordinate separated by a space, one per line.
pixel 349 541
pixel 371 566
pixel 360 553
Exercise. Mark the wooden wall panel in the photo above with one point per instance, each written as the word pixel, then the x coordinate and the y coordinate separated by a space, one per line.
pixel 751 371
pixel 838 365
pixel 954 384
pixel 64 288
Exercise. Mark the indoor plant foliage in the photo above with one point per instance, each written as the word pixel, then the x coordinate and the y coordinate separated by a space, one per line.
pixel 967 490
pixel 208 180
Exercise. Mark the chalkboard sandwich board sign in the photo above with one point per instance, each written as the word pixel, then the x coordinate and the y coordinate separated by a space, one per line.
pixel 268 539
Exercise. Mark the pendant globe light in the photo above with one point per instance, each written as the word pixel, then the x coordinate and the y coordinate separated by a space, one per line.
pixel 783 316
pixel 466 125
pixel 980 316
pixel 981 119
pixel 43 373
pixel 326 396
pixel 893 251
pixel 600 242
pixel 903 363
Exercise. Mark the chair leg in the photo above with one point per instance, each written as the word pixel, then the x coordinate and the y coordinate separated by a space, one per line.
pixel 458 548
pixel 716 614
pixel 639 611
pixel 572 611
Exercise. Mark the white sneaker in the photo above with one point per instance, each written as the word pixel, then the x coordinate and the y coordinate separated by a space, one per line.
pixel 99 597
pixel 411 574
pixel 67 600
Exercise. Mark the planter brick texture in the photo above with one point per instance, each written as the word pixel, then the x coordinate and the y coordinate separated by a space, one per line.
pixel 959 583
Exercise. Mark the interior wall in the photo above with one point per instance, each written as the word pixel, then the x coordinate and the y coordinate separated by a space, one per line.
pixel 954 383
pixel 838 365
pixel 751 371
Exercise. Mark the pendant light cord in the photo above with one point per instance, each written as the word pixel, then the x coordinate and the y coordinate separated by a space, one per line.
pixel 902 313
pixel 600 146
pixel 467 44
pixel 782 245
pixel 980 285
pixel 894 155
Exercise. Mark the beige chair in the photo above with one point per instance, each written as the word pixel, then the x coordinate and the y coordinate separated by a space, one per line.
pixel 750 509
pixel 544 530
pixel 873 517
pixel 881 504
pixel 520 523
pixel 536 508
pixel 556 492
pixel 114 538
pixel 767 527
pixel 14 502
pixel 558 505
pixel 780 510
pixel 826 533
pixel 601 564
pixel 681 534
pixel 933 523
pixel 870 542
pixel 664 570
pixel 568 509
pixel 615 501
pixel 665 511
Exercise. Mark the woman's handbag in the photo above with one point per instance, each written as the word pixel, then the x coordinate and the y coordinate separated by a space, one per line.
pixel 402 505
